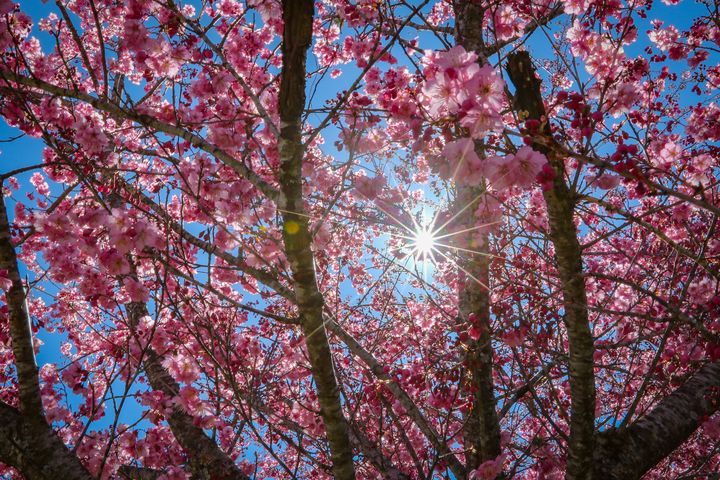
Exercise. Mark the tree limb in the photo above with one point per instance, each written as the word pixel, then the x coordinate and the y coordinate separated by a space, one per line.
pixel 120 113
pixel 482 426
pixel 628 454
pixel 20 328
pixel 35 450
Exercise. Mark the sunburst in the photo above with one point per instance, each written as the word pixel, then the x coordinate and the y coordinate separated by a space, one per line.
pixel 424 242
pixel 423 246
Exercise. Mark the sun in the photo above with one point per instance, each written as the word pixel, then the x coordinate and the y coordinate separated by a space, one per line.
pixel 420 241
pixel 423 242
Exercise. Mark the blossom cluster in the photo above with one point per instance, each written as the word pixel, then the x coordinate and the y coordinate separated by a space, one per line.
pixel 458 88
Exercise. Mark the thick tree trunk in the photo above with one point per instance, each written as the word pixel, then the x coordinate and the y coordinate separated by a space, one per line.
pixel 297 36
pixel 411 409
pixel 560 204
pixel 615 454
pixel 207 461
pixel 20 328
pixel 482 427
pixel 35 450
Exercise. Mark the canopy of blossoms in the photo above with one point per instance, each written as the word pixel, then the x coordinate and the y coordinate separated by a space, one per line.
pixel 360 239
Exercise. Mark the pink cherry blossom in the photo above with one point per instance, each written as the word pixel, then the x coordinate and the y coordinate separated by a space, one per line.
pixel 135 290
pixel 488 470
pixel 519 169
pixel 463 164
pixel 368 187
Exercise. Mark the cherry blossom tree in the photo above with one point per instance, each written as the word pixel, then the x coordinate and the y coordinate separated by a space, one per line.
pixel 361 239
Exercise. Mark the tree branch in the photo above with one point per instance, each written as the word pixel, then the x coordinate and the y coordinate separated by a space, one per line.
pixel 407 403
pixel 147 121
pixel 35 450
pixel 207 460
pixel 628 454
pixel 482 426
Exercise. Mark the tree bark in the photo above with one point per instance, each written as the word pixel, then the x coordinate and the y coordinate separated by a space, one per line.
pixel 297 36
pixel 411 409
pixel 207 460
pixel 630 453
pixel 35 450
pixel 128 472
pixel 560 203
pixel 30 404
pixel 482 426
pixel 27 442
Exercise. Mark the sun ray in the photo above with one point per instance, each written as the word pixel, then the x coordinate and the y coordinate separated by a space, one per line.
pixel 453 247
pixel 397 220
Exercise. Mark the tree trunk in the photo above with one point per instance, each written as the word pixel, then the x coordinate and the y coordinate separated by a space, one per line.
pixel 629 454
pixel 27 442
pixel 20 328
pixel 207 460
pixel 482 427
pixel 297 36
pixel 560 204
pixel 35 450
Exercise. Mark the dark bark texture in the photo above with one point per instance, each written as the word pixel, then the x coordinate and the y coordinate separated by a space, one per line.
pixel 20 329
pixel 560 201
pixel 482 427
pixel 207 460
pixel 35 450
pixel 27 442
pixel 630 453
pixel 297 36
pixel 623 454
